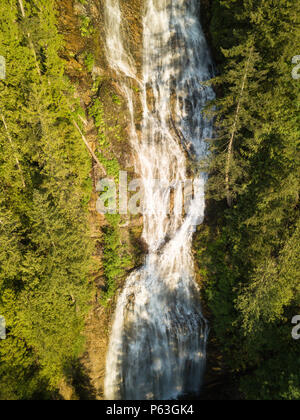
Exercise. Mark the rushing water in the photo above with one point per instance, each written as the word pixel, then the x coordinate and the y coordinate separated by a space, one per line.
pixel 158 340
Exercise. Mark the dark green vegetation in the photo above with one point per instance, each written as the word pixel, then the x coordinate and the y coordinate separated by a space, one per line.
pixel 251 246
pixel 44 191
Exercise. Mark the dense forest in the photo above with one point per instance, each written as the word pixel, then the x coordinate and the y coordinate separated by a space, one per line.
pixel 251 247
pixel 248 248
pixel 44 191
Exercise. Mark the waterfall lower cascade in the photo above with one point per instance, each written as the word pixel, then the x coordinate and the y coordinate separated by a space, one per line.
pixel 158 340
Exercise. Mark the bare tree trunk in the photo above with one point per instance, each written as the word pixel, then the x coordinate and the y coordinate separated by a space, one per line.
pixel 234 127
pixel 29 39
pixel 89 147
pixel 14 150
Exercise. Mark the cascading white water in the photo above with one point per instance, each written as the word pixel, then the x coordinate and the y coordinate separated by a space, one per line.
pixel 158 341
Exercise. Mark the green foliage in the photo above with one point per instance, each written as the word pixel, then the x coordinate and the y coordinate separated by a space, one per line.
pixel 44 184
pixel 86 27
pixel 116 258
pixel 116 99
pixel 89 61
pixel 251 251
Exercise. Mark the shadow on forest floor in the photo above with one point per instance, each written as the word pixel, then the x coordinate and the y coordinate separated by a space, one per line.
pixel 78 378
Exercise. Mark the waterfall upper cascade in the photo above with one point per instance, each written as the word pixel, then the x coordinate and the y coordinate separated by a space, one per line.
pixel 158 340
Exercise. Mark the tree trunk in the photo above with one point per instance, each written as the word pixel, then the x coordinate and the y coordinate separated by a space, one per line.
pixel 89 147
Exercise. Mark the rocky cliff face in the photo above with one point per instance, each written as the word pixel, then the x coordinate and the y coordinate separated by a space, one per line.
pixel 81 24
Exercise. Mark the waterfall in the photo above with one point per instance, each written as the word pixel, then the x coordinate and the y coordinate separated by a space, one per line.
pixel 158 340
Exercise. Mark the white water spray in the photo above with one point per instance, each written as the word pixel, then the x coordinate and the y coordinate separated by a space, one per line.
pixel 158 341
